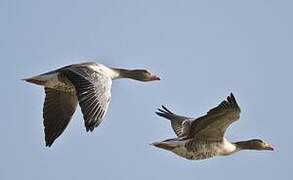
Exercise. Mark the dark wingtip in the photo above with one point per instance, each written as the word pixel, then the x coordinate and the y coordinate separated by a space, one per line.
pixel 231 95
pixel 166 109
pixel 231 98
pixel 159 109
pixel 49 140
pixel 49 144
pixel 90 129
pixel 162 110
pixel 159 113
pixel 233 101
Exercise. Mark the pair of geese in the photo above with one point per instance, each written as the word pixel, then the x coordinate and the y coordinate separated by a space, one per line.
pixel 89 84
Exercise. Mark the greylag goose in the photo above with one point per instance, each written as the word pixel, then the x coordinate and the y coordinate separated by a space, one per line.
pixel 86 83
pixel 203 137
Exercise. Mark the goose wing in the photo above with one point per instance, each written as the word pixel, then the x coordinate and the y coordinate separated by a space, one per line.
pixel 213 125
pixel 58 109
pixel 93 90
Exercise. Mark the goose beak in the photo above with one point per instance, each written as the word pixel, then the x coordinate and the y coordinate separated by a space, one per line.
pixel 155 78
pixel 269 147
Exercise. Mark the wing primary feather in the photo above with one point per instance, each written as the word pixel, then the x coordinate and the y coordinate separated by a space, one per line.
pixel 166 109
pixel 93 92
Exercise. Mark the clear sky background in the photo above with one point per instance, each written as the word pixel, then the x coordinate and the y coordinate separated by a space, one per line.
pixel 202 50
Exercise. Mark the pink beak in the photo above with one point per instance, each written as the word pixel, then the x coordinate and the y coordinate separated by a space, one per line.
pixel 270 147
pixel 154 78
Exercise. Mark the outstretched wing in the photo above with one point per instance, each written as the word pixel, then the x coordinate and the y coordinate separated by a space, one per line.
pixel 58 109
pixel 213 125
pixel 93 90
pixel 180 124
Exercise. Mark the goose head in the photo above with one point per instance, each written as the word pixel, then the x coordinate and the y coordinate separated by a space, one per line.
pixel 136 74
pixel 254 144
pixel 143 75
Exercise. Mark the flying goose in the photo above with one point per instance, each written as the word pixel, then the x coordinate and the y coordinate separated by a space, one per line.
pixel 203 137
pixel 88 84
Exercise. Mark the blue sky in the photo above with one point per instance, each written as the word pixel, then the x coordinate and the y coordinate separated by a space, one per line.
pixel 202 50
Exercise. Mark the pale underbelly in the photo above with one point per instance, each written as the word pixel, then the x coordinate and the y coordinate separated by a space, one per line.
pixel 200 151
pixel 194 155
